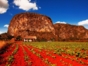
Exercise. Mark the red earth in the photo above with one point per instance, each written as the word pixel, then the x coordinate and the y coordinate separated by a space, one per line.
pixel 19 54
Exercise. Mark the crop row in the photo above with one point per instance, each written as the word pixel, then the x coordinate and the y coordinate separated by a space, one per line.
pixel 11 57
pixel 77 55
pixel 46 54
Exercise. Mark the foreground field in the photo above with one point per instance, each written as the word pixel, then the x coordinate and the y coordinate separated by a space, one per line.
pixel 45 54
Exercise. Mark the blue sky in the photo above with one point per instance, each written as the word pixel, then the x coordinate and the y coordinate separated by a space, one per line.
pixel 73 12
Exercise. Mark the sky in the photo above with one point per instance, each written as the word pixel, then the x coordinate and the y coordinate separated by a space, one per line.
pixel 74 12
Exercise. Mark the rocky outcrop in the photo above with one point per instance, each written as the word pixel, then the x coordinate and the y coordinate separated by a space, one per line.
pixel 33 24
pixel 70 32
pixel 25 23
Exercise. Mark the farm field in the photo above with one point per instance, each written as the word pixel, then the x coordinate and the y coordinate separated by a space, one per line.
pixel 45 54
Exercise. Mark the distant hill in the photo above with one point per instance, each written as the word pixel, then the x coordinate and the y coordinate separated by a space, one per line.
pixel 67 32
pixel 33 24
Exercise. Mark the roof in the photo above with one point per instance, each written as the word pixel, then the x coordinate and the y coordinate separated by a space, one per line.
pixel 30 37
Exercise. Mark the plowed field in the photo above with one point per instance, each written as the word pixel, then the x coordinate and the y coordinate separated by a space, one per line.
pixel 34 54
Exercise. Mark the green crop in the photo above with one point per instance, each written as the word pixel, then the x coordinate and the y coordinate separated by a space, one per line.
pixel 70 48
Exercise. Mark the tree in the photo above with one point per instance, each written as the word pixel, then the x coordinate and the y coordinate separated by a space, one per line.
pixel 3 36
pixel 0 37
pixel 18 38
pixel 10 37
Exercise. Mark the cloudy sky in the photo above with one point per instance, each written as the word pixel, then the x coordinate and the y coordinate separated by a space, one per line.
pixel 60 11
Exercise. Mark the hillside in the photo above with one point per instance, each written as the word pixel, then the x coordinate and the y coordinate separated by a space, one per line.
pixel 33 24
pixel 70 32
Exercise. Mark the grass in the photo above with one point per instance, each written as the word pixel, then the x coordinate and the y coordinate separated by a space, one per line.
pixel 56 45
pixel 71 48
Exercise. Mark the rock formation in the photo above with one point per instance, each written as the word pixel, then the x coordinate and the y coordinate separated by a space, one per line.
pixel 33 24
pixel 26 24
pixel 70 32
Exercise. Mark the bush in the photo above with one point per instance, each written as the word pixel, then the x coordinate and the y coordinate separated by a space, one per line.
pixel 18 38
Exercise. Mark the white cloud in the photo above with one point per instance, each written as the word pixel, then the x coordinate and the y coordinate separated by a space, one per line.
pixel 25 5
pixel 84 22
pixel 3 6
pixel 6 25
pixel 61 22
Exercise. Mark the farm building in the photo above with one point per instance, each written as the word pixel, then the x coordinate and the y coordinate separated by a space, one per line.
pixel 30 38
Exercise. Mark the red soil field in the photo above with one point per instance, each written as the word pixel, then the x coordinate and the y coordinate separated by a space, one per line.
pixel 19 54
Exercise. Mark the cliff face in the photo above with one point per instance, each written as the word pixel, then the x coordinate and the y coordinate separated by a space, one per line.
pixel 24 23
pixel 33 24
pixel 70 32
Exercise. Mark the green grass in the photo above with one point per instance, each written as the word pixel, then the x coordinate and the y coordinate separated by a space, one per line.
pixel 71 48
pixel 56 45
